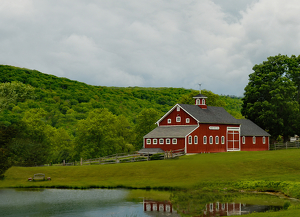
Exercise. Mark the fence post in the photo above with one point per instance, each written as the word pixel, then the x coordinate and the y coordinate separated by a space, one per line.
pixel 99 160
pixel 80 161
pixel 116 158
pixel 64 163
pixel 285 145
pixel 275 146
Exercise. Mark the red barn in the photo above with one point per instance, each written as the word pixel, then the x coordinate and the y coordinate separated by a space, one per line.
pixel 205 129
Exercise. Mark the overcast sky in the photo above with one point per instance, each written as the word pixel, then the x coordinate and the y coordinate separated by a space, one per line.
pixel 157 43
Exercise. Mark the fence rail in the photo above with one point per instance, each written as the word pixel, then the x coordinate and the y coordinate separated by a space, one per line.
pixel 286 145
pixel 121 158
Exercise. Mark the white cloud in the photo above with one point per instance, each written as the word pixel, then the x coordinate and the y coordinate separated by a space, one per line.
pixel 148 43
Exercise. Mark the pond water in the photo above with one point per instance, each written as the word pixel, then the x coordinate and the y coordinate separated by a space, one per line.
pixel 122 202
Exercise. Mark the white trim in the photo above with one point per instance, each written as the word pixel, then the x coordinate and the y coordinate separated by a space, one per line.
pixel 168 143
pixel 223 140
pixel 148 141
pixel 172 109
pixel 187 120
pixel 253 140
pixel 234 129
pixel 178 108
pixel 190 139
pixel 243 140
pixel 217 140
pixel 211 140
pixel 195 139
pixel 264 140
pixel 154 141
pixel 174 143
pixel 204 140
pixel 163 141
pixel 169 121
pixel 178 119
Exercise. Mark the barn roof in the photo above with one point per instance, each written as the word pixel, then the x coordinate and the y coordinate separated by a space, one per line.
pixel 248 128
pixel 200 96
pixel 151 151
pixel 171 131
pixel 214 115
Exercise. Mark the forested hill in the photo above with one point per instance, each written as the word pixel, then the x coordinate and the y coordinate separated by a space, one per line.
pixel 58 112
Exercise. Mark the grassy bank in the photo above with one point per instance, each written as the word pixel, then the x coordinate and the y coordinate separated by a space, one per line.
pixel 185 172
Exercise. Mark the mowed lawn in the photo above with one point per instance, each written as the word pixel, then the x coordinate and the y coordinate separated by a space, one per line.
pixel 185 172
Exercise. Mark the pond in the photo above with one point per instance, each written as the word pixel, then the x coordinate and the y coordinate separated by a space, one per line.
pixel 122 202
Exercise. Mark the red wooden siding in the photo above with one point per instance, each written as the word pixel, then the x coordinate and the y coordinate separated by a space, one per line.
pixel 258 146
pixel 182 114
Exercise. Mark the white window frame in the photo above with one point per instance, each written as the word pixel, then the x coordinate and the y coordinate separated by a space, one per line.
pixel 211 207
pixel 190 140
pixel 195 140
pixel 211 140
pixel 204 140
pixel 161 141
pixel 223 140
pixel 174 141
pixel 169 120
pixel 197 101
pixel 178 119
pixel 253 140
pixel 168 141
pixel 203 101
pixel 148 141
pixel 217 139
pixel 154 141
pixel 178 108
pixel 187 120
pixel 264 140
pixel 243 139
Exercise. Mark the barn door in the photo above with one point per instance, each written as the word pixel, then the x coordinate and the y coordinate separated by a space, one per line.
pixel 233 139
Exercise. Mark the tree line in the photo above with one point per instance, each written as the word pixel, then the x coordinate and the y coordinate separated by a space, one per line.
pixel 46 119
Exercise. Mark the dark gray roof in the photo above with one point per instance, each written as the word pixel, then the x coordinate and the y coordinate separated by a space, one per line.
pixel 151 151
pixel 248 128
pixel 214 115
pixel 200 96
pixel 171 131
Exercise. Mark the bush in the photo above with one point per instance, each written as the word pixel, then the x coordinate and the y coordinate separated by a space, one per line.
pixel 157 157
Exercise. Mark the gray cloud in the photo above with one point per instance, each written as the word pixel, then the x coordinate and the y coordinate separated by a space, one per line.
pixel 148 43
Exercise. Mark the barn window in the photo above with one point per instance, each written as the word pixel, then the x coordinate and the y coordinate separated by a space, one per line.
pixel 174 141
pixel 217 206
pixel 211 140
pixel 168 141
pixel 211 207
pixel 169 121
pixel 187 120
pixel 161 141
pixel 223 139
pixel 254 140
pixel 243 140
pixel 154 141
pixel 217 140
pixel 223 206
pixel 264 140
pixel 204 140
pixel 148 141
pixel 178 108
pixel 197 101
pixel 178 119
pixel 190 139
pixel 195 139
pixel 203 101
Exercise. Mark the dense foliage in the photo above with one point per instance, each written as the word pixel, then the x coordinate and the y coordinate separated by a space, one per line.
pixel 57 119
pixel 272 96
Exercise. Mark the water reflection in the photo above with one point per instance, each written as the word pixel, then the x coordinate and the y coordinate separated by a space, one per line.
pixel 131 203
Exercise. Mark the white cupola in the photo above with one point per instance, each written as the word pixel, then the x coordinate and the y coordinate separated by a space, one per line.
pixel 200 100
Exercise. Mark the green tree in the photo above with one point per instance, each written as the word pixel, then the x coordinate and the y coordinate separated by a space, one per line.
pixel 11 93
pixel 145 122
pixel 270 98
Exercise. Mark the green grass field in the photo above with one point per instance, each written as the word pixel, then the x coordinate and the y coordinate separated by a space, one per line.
pixel 265 170
pixel 185 172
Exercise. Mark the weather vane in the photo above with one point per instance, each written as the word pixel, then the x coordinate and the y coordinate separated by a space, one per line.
pixel 199 87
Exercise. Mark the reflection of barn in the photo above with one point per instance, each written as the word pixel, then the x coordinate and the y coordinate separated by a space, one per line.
pixel 222 209
pixel 159 208
pixel 204 129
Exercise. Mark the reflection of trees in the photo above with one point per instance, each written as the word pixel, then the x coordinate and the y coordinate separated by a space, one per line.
pixel 189 203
